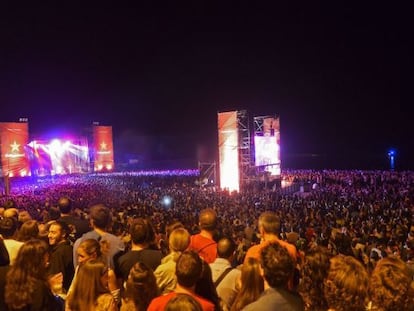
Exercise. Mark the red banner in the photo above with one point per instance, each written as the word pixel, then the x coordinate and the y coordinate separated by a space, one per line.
pixel 14 137
pixel 103 148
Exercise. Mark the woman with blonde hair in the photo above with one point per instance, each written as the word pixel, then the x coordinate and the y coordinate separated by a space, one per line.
pixel 91 249
pixel 251 284
pixel 391 286
pixel 179 240
pixel 90 291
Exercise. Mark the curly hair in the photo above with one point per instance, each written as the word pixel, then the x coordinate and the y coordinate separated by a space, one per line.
pixel 277 264
pixel 346 286
pixel 390 285
pixel 29 266
pixel 314 271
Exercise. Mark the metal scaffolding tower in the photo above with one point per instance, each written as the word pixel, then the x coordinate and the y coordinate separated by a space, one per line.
pixel 245 158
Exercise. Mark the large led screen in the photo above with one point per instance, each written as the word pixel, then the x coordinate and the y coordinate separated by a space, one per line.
pixel 267 154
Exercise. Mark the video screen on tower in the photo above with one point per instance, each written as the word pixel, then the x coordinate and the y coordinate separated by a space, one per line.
pixel 267 154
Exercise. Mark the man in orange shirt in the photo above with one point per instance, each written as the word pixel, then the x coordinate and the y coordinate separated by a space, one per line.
pixel 203 243
pixel 269 227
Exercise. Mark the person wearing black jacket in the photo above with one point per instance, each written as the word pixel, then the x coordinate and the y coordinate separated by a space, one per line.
pixel 61 252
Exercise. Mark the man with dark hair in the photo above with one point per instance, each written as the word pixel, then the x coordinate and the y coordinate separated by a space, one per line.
pixel 142 238
pixel 100 218
pixel 224 276
pixel 277 267
pixel 61 252
pixel 188 271
pixel 203 243
pixel 77 225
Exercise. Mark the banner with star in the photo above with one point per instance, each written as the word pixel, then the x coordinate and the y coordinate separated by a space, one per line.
pixel 103 148
pixel 14 137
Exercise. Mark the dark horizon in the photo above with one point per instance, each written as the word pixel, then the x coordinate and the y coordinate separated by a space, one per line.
pixel 338 75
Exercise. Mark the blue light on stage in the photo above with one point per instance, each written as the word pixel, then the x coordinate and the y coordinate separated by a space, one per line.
pixel 391 155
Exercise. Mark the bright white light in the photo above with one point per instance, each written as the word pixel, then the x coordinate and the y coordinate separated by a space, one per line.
pixel 229 151
pixel 166 201
pixel 66 145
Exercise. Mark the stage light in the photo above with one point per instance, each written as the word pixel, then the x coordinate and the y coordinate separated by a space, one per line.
pixel 166 201
pixel 66 145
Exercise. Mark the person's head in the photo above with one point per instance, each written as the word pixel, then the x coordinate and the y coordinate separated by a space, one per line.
pixel 277 265
pixel 251 284
pixel 24 216
pixel 28 230
pixel 30 264
pixel 226 248
pixel 269 223
pixel 90 282
pixel 141 286
pixel 33 258
pixel 100 216
pixel 58 232
pixel 251 274
pixel 11 213
pixel 188 268
pixel 175 224
pixel 183 302
pixel 53 214
pixel 142 231
pixel 88 249
pixel 205 285
pixel 346 285
pixel 207 220
pixel 8 227
pixel 65 205
pixel 9 204
pixel 179 240
pixel 391 285
pixel 314 270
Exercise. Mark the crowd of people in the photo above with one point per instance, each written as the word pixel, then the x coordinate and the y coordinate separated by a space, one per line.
pixel 166 242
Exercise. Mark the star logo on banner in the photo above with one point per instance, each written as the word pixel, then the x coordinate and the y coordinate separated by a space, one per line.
pixel 14 147
pixel 103 146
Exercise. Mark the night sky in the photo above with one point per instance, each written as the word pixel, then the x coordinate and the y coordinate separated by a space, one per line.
pixel 339 76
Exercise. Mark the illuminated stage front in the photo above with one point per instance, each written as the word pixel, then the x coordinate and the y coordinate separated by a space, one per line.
pixel 43 157
pixel 57 157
